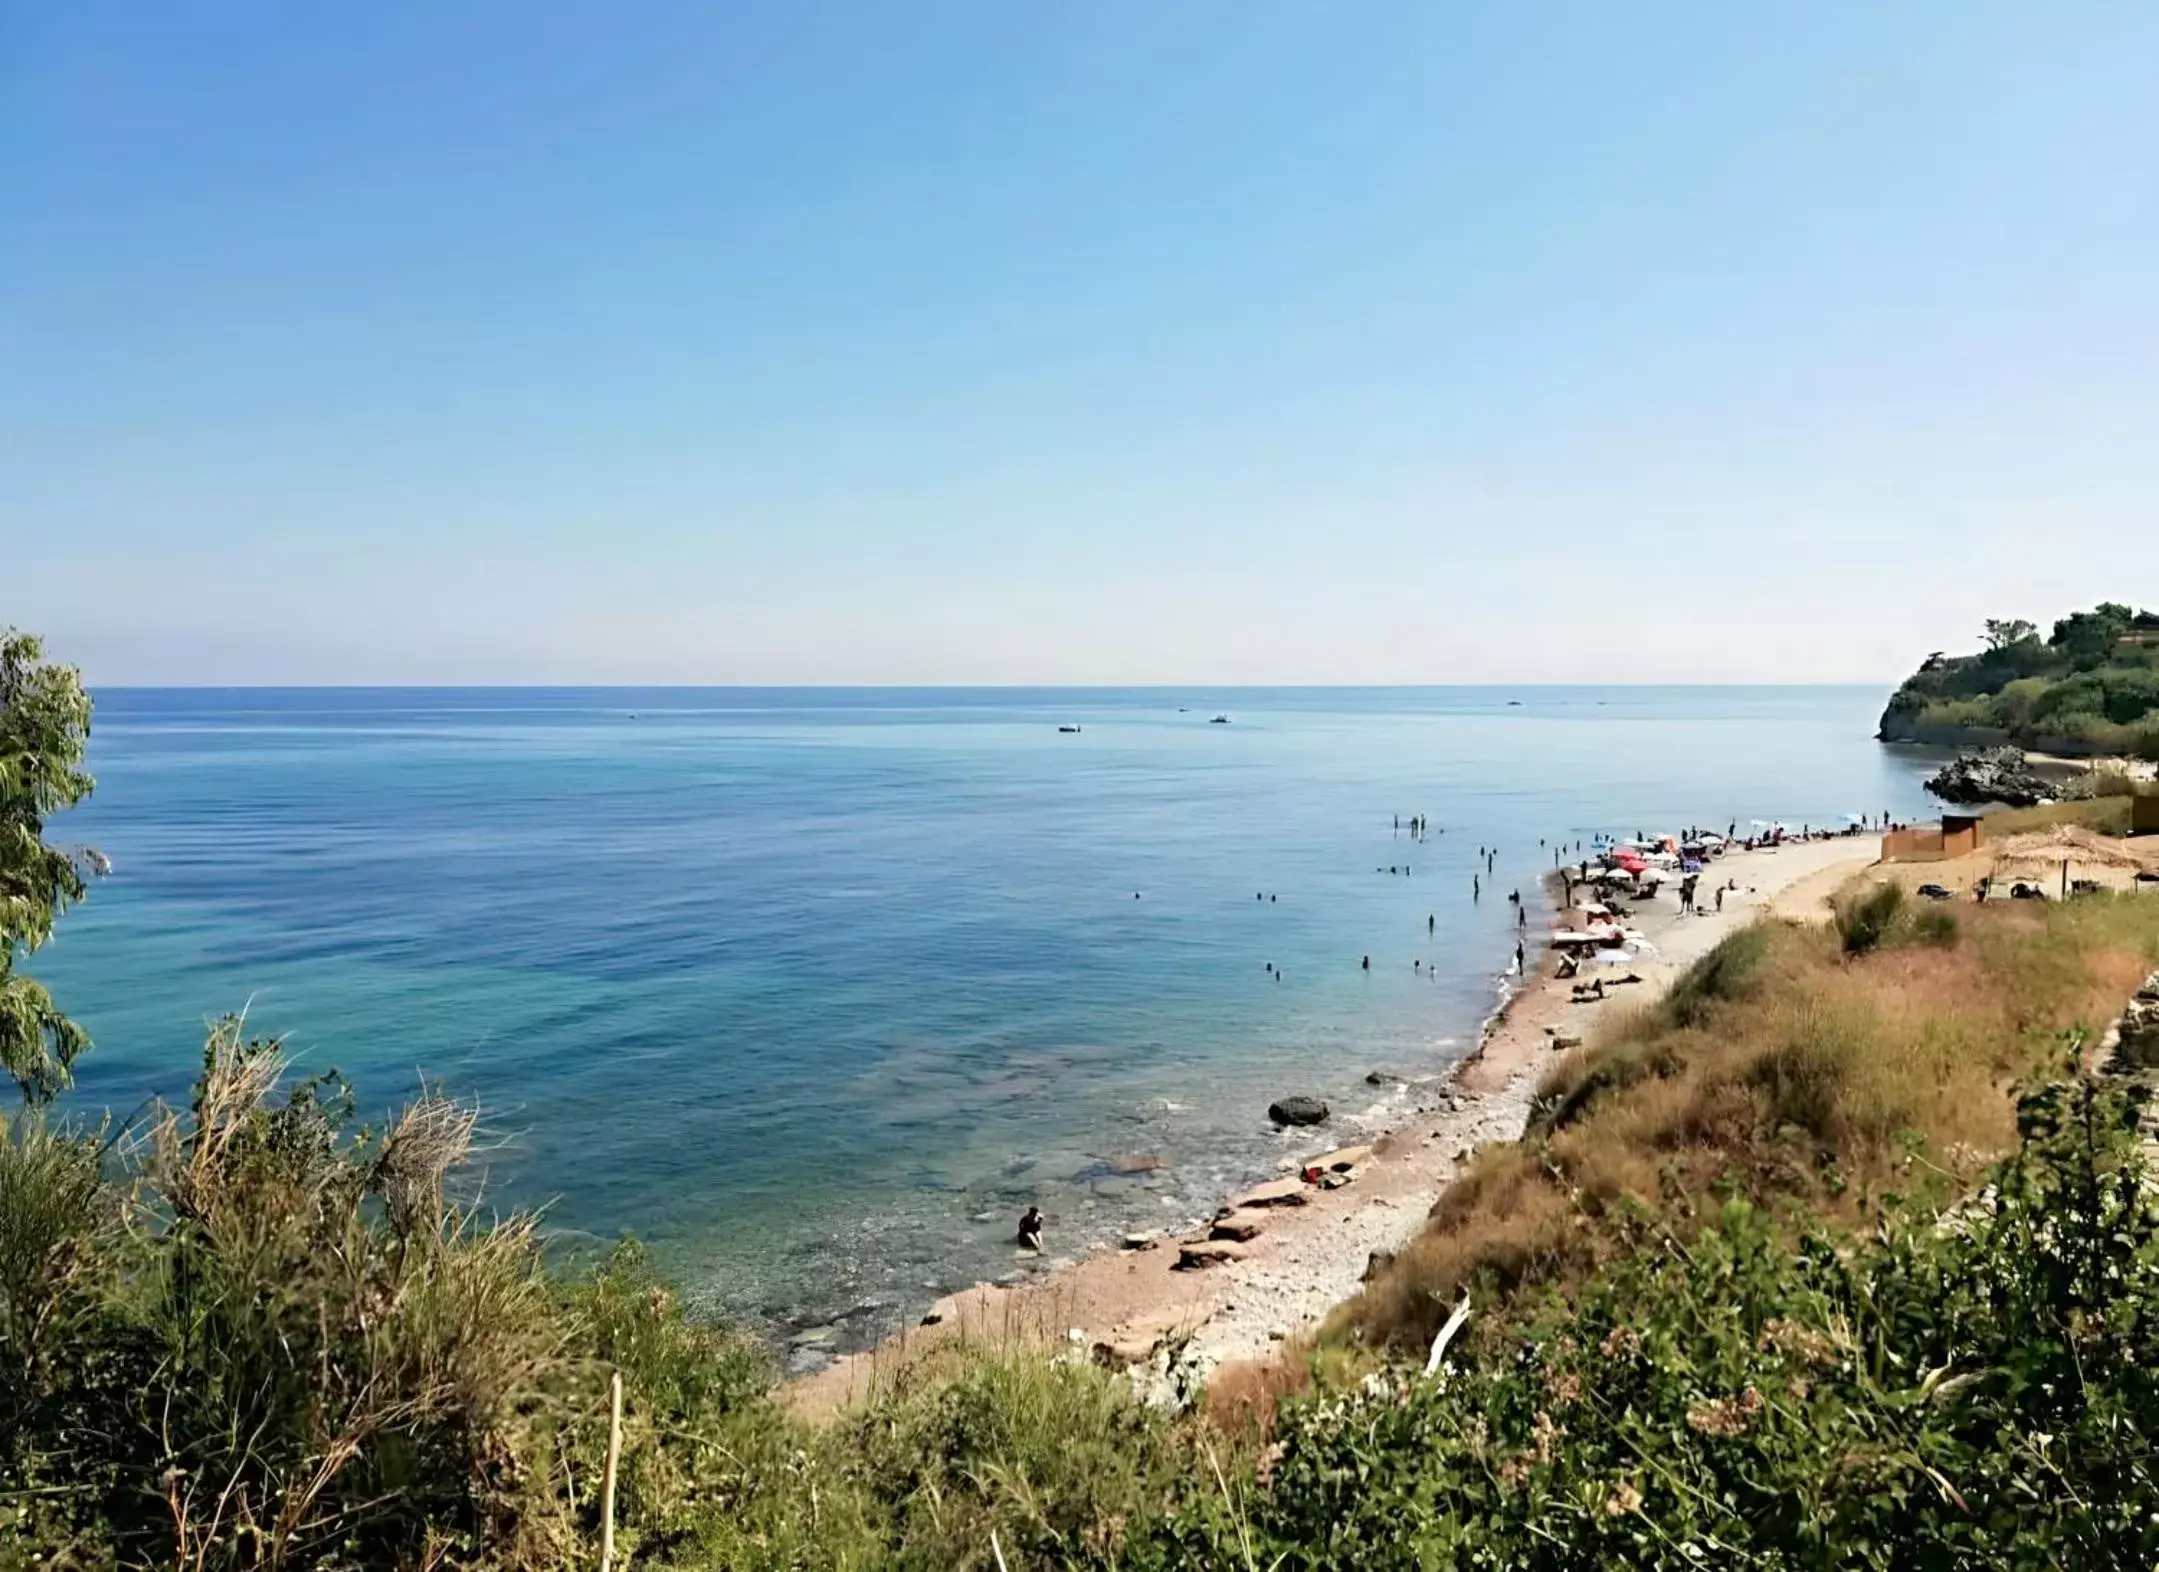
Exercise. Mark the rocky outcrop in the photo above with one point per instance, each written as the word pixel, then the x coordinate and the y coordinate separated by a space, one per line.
pixel 1276 1192
pixel 1298 1110
pixel 1201 1254
pixel 1991 775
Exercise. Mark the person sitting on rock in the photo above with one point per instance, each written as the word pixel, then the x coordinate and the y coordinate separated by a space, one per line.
pixel 1030 1234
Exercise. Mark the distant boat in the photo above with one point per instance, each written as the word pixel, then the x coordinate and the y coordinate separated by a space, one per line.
pixel 1219 720
pixel 1514 704
pixel 1074 729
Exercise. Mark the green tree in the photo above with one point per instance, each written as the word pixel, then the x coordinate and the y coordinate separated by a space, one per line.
pixel 2089 637
pixel 2005 631
pixel 44 725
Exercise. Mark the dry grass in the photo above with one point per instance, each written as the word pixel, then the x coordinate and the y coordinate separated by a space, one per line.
pixel 1784 1067
pixel 1241 1399
pixel 2108 815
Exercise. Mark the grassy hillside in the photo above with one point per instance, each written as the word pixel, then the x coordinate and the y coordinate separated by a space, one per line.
pixel 1814 1067
pixel 2093 684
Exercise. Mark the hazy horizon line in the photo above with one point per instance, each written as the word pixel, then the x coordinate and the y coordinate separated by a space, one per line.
pixel 926 687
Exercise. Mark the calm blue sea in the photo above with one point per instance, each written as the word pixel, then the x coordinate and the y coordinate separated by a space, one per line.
pixel 816 989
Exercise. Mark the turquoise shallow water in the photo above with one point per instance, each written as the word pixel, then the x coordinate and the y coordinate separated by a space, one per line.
pixel 815 989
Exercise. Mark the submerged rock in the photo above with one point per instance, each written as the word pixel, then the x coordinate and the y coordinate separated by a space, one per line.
pixel 1298 1110
pixel 1991 775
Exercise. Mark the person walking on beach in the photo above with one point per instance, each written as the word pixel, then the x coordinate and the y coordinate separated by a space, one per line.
pixel 1520 958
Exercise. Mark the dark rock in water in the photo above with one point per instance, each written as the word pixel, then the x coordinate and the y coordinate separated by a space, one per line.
pixel 1382 1078
pixel 1991 775
pixel 1298 1110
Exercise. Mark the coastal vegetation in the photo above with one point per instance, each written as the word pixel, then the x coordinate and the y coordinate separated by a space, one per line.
pixel 1839 1254
pixel 1808 1068
pixel 2090 686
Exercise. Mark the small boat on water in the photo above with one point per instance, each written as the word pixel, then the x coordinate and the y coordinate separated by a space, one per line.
pixel 1219 720
pixel 1072 729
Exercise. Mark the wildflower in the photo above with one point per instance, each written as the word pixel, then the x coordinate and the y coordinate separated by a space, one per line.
pixel 1726 1416
pixel 1801 1342
pixel 1623 1499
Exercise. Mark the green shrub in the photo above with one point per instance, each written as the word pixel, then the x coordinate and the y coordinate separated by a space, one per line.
pixel 1730 971
pixel 1864 921
pixel 1936 925
pixel 1975 1395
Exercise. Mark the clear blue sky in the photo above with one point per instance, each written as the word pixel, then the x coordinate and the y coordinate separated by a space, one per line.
pixel 1096 341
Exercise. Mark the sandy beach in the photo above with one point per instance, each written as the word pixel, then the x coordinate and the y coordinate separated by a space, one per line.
pixel 1309 1246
